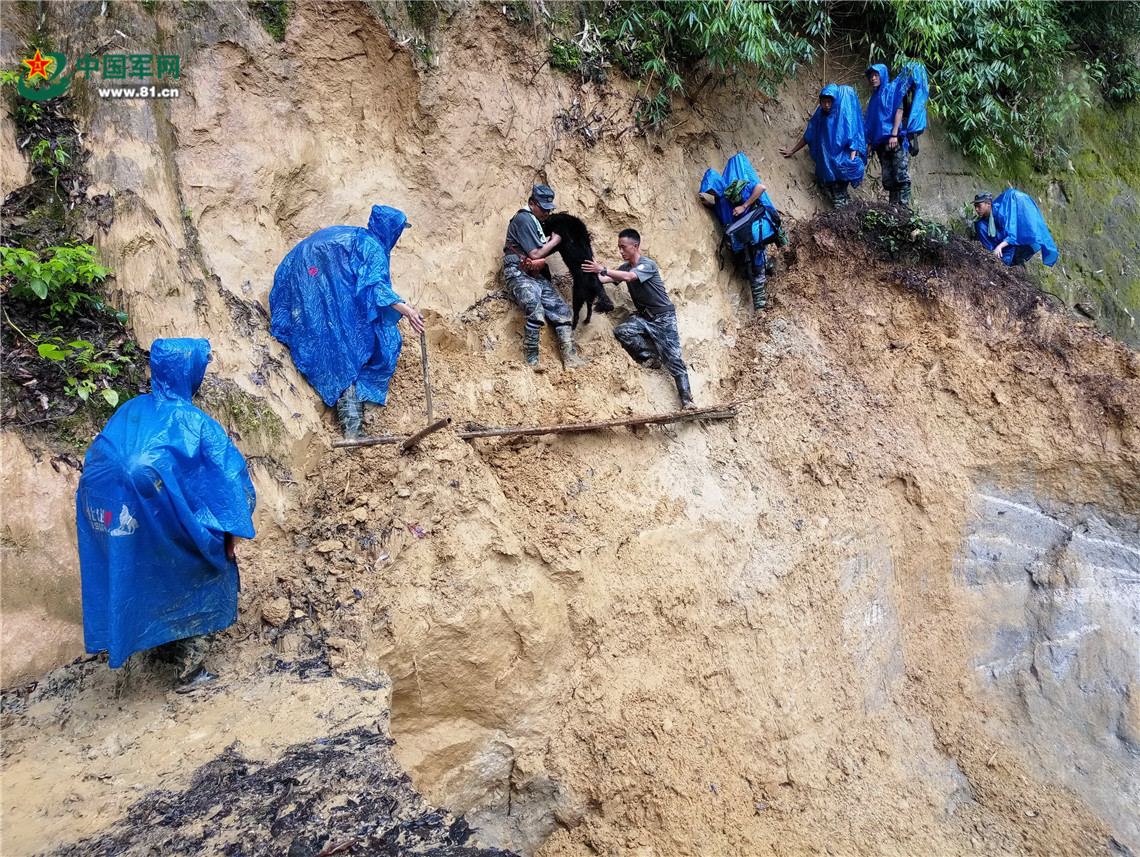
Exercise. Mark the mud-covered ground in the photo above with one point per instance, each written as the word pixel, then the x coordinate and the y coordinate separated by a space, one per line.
pixel 260 794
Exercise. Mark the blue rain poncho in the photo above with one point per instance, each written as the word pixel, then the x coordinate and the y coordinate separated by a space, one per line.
pixel 886 99
pixel 161 486
pixel 914 121
pixel 331 304
pixel 832 138
pixel 738 167
pixel 1017 219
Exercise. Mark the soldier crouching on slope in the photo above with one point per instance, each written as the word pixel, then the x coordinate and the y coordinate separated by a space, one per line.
pixel 650 336
pixel 528 280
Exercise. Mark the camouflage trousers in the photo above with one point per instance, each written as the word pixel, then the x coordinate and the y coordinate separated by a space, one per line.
pixel 188 653
pixel 895 164
pixel 837 193
pixel 537 297
pixel 645 338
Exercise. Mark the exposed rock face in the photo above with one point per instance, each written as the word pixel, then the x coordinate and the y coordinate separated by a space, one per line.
pixel 1057 587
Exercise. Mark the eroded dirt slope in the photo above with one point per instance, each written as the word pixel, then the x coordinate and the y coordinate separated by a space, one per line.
pixel 806 630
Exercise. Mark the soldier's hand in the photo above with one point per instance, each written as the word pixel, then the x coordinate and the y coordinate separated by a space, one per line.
pixel 412 315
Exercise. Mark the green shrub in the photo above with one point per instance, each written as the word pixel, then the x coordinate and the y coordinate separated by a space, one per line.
pixel 273 15
pixel 565 56
pixel 661 42
pixel 59 277
pixel 88 370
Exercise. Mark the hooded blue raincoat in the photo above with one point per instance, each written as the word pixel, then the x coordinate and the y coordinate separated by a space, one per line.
pixel 833 137
pixel 331 304
pixel 914 122
pixel 738 167
pixel 161 486
pixel 885 100
pixel 1018 220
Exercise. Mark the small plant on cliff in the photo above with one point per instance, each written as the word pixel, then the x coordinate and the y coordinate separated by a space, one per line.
pixel 565 56
pixel 899 235
pixel 88 370
pixel 24 111
pixel 57 279
pixel 273 15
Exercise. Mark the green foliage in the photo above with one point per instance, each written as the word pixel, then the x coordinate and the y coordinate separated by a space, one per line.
pixel 58 277
pixel 998 68
pixel 423 14
pixel 273 15
pixel 1007 75
pixel 898 235
pixel 88 370
pixel 51 155
pixel 1107 35
pixel 661 42
pixel 565 56
pixel 25 111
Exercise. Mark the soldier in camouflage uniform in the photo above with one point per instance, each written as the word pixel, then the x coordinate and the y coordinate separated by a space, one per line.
pixel 528 280
pixel 883 120
pixel 651 336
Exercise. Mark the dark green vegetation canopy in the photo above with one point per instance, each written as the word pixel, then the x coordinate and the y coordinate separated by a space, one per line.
pixel 1006 75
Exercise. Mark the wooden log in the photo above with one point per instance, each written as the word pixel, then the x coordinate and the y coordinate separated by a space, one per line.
pixel 427 378
pixel 424 432
pixel 712 412
pixel 368 441
pixel 405 441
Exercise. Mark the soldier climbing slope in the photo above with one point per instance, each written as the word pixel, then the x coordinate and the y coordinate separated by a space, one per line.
pixel 651 335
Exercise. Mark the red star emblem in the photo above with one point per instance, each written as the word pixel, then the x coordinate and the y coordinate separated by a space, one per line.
pixel 38 65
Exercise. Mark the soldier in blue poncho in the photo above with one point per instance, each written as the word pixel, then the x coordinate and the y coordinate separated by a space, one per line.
pixel 163 494
pixel 882 126
pixel 333 305
pixel 916 92
pixel 1012 228
pixel 835 138
pixel 751 222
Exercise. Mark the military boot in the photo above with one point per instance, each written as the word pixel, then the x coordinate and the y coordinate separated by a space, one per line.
pixel 758 283
pixel 350 412
pixel 684 391
pixel 530 346
pixel 570 358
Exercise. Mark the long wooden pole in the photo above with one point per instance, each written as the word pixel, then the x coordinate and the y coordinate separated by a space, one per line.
pixel 712 412
pixel 427 379
pixel 368 441
pixel 405 441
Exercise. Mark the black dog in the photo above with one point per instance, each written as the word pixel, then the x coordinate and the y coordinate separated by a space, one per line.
pixel 575 249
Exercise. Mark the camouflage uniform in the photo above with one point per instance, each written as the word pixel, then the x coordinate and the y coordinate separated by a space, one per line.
pixel 189 654
pixel 837 193
pixel 895 164
pixel 536 296
pixel 645 338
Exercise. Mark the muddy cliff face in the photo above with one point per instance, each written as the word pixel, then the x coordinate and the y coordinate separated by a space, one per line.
pixel 888 608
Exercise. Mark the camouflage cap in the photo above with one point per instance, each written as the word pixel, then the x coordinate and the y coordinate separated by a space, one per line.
pixel 543 195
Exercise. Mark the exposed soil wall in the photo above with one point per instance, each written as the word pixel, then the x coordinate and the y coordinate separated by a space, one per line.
pixel 870 615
